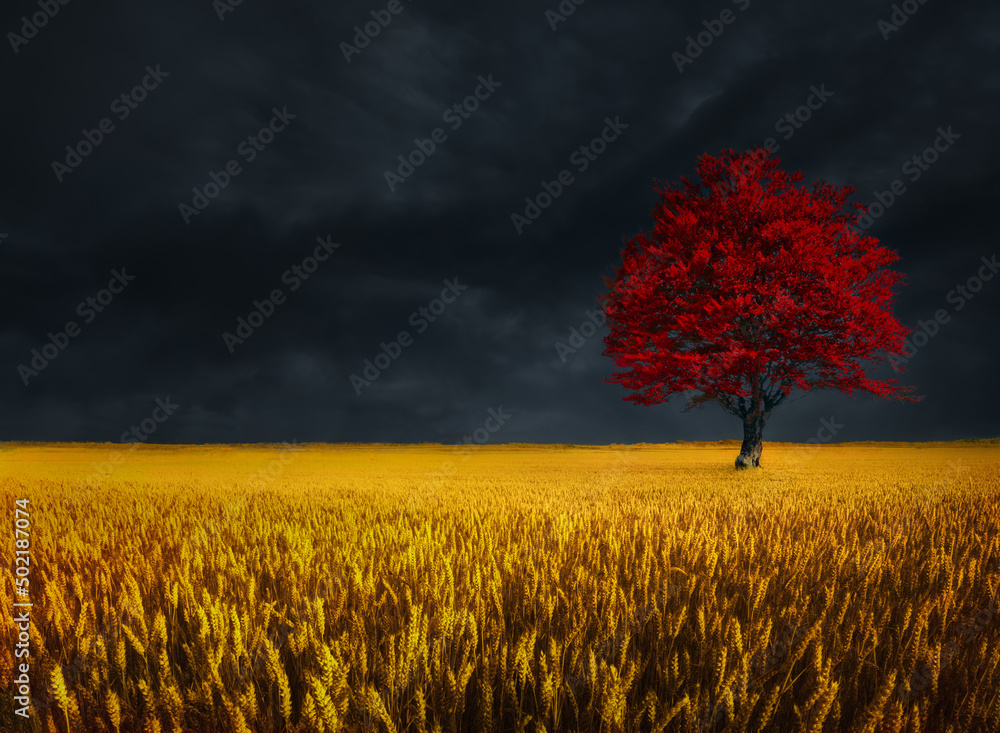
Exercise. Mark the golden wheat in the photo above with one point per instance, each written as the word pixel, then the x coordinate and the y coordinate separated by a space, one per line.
pixel 533 588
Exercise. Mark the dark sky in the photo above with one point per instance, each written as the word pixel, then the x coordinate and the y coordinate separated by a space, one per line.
pixel 212 84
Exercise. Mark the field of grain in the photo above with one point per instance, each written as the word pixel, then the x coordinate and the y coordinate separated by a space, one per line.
pixel 849 587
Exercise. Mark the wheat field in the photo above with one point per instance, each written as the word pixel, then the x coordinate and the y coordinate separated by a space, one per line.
pixel 849 587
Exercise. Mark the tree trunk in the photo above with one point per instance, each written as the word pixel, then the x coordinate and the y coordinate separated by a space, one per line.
pixel 753 442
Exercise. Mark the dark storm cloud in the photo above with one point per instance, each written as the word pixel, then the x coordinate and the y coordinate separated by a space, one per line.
pixel 324 175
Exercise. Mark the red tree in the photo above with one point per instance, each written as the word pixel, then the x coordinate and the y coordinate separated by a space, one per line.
pixel 748 287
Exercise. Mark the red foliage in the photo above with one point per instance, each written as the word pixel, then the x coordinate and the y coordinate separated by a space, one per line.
pixel 749 286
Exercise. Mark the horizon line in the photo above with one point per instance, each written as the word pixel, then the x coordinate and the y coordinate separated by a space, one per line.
pixel 679 443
